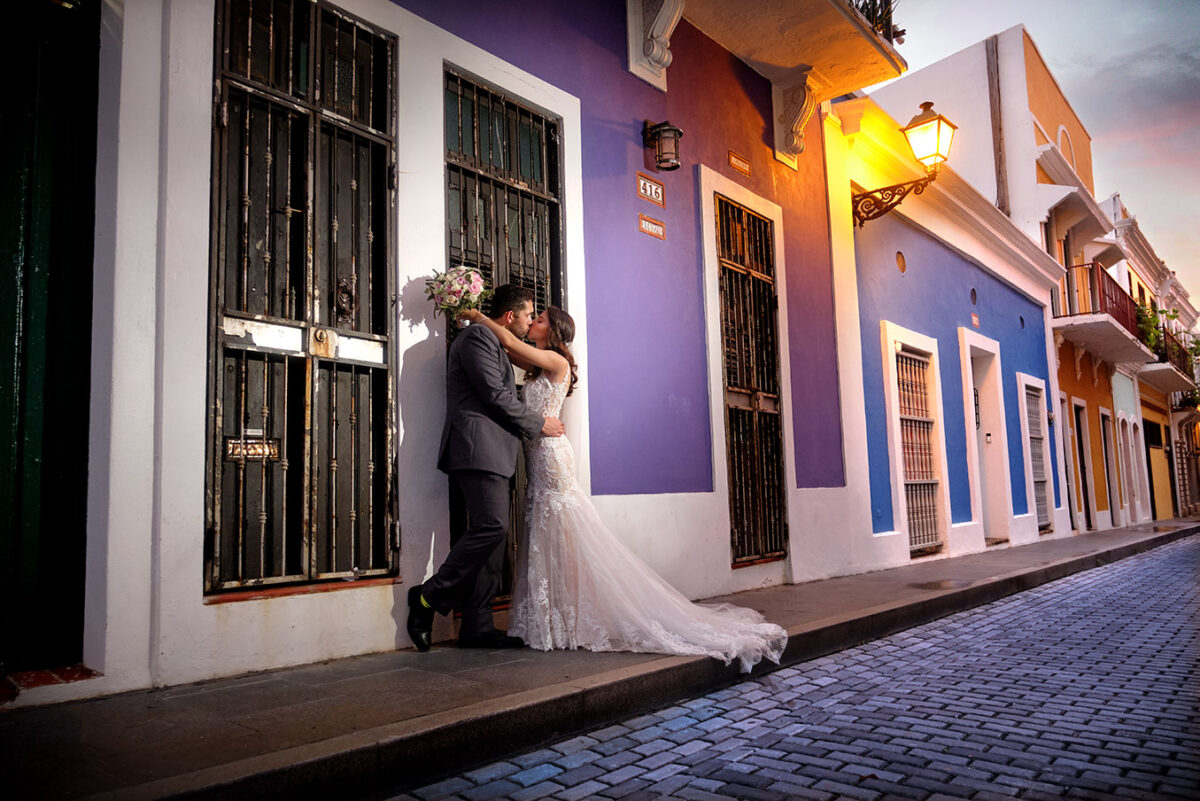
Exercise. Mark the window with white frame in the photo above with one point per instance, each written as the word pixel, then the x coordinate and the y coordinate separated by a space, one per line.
pixel 1036 453
pixel 916 437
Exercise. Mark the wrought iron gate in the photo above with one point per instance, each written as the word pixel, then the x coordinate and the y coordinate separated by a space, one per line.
pixel 753 420
pixel 1037 455
pixel 916 436
pixel 300 416
pixel 503 219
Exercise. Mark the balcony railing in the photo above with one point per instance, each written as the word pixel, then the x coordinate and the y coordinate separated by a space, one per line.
pixel 1173 351
pixel 1185 401
pixel 1089 289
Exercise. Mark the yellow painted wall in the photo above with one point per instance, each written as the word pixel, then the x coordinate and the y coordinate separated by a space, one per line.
pixel 1160 474
pixel 1051 109
pixel 1095 395
pixel 1154 400
pixel 1136 282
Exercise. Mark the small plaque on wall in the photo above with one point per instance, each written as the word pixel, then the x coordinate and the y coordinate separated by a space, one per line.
pixel 739 163
pixel 974 319
pixel 652 190
pixel 651 226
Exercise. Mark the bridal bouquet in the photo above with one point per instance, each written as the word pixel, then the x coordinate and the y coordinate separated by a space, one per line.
pixel 458 289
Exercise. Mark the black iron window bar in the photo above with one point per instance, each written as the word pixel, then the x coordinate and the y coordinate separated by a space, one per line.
pixel 300 464
pixel 753 407
pixel 503 214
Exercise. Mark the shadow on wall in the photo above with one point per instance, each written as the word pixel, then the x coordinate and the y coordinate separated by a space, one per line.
pixel 422 494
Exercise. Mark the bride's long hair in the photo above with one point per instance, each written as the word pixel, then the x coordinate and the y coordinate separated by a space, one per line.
pixel 561 334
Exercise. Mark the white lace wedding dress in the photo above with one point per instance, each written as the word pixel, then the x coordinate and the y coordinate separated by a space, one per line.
pixel 578 586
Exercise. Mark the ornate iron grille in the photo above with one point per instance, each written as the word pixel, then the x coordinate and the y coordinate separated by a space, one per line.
pixel 916 437
pixel 502 189
pixel 502 216
pixel 1037 455
pixel 753 426
pixel 300 456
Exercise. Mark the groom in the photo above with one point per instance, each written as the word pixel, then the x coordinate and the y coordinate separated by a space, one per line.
pixel 484 418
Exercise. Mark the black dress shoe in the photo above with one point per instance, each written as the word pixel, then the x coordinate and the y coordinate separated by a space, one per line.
pixel 490 639
pixel 420 620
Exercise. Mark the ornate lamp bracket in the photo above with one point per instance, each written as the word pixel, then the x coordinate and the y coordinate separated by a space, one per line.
pixel 876 203
pixel 649 25
pixel 794 102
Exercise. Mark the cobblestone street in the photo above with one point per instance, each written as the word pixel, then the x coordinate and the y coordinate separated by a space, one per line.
pixel 1087 687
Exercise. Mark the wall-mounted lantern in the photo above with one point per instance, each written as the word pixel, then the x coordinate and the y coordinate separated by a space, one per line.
pixel 929 134
pixel 664 138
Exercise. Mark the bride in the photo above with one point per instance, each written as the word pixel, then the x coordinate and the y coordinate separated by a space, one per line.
pixel 577 584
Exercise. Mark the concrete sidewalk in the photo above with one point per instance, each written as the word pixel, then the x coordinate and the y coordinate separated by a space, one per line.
pixel 406 717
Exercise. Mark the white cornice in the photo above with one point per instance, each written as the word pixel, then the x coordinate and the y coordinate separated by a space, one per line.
pixel 1144 260
pixel 1000 230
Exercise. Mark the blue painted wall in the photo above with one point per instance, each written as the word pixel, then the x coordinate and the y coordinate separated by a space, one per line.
pixel 933 297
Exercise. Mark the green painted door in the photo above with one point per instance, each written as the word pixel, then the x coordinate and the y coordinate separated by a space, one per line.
pixel 46 234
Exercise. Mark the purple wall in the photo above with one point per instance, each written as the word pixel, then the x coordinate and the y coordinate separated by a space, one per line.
pixel 650 426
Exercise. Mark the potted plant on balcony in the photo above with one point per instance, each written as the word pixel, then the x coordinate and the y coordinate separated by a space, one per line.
pixel 1150 327
pixel 1187 400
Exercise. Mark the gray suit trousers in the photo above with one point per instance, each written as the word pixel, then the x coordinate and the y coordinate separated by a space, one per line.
pixel 470 577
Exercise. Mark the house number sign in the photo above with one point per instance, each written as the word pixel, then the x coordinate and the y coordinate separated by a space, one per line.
pixel 652 190
pixel 739 163
pixel 651 226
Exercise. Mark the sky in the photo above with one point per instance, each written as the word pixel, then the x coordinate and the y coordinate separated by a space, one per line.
pixel 1130 70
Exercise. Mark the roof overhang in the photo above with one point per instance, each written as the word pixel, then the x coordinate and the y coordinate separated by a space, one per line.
pixel 1067 197
pixel 1103 337
pixel 1165 377
pixel 833 42
pixel 810 50
pixel 1106 251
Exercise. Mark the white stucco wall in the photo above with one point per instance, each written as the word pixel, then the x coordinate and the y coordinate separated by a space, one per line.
pixel 958 88
pixel 147 620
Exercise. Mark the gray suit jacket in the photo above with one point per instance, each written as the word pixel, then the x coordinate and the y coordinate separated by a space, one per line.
pixel 484 416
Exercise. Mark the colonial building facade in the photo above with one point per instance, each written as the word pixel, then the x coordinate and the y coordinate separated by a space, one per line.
pixel 251 397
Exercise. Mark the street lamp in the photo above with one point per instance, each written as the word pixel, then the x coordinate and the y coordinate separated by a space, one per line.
pixel 929 135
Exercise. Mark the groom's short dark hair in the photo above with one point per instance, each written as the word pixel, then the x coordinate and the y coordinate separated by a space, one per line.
pixel 509 298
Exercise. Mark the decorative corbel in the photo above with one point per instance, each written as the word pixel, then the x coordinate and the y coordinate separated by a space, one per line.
pixel 1059 339
pixel 649 25
pixel 1096 365
pixel 793 102
pixel 1078 367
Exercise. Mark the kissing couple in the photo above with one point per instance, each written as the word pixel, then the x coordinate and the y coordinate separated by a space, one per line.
pixel 577 585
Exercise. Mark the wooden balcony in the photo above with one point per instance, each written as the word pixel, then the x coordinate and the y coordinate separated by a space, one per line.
pixel 1092 311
